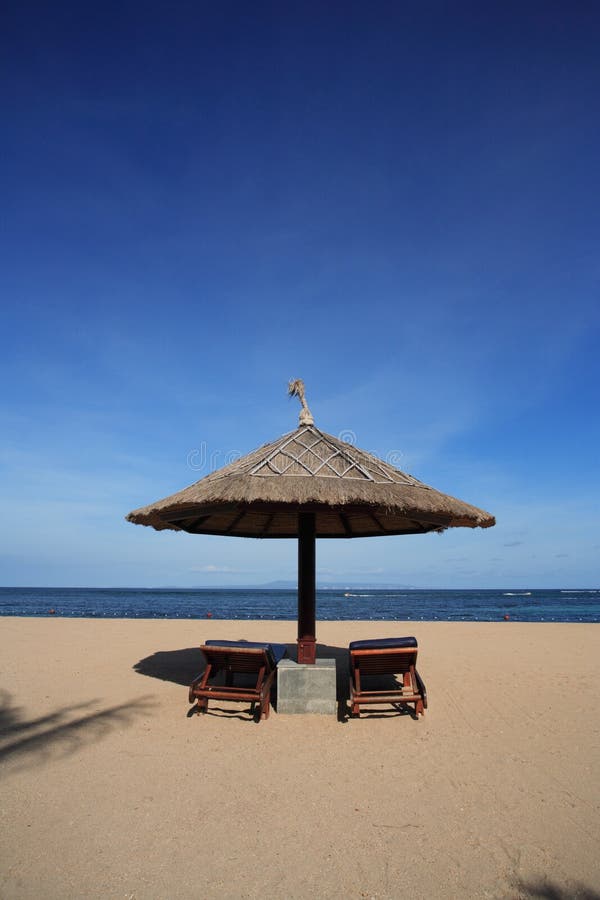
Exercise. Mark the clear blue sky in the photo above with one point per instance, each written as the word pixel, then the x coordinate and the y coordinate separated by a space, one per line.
pixel 397 202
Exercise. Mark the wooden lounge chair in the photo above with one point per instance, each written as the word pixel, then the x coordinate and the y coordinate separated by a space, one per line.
pixel 255 663
pixel 373 665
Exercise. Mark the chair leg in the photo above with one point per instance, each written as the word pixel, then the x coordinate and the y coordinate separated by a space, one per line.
pixel 354 710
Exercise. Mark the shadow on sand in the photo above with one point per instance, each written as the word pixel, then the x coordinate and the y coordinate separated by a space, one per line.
pixel 182 666
pixel 62 732
pixel 548 890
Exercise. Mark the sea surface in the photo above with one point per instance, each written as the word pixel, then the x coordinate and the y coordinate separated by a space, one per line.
pixel 241 603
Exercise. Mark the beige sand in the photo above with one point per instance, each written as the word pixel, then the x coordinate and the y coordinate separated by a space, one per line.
pixel 109 790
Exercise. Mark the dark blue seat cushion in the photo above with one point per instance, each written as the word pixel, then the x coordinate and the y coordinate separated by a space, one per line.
pixel 384 643
pixel 276 651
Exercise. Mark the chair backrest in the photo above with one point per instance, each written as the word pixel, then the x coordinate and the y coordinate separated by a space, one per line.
pixel 386 661
pixel 239 659
pixel 276 652
pixel 384 656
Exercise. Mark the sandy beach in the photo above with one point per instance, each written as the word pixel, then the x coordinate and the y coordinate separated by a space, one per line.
pixel 109 788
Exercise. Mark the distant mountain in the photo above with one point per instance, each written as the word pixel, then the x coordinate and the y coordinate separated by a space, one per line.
pixel 282 585
pixel 337 586
pixel 285 585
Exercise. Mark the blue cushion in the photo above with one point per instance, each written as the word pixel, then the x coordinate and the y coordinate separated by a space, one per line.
pixel 383 643
pixel 277 651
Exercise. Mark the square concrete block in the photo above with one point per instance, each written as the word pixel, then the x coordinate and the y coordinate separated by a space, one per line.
pixel 305 689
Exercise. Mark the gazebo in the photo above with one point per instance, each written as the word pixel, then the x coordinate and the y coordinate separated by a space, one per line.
pixel 308 484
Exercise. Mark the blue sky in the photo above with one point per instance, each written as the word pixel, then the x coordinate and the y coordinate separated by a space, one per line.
pixel 396 202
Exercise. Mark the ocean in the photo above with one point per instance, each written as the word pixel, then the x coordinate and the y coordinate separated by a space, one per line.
pixel 242 603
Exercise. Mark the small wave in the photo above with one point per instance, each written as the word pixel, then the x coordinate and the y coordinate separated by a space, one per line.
pixel 517 594
pixel 357 595
pixel 580 592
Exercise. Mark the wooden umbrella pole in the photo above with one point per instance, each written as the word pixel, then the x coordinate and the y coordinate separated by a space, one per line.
pixel 306 588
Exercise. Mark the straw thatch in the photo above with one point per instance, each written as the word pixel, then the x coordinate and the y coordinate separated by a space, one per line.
pixel 352 492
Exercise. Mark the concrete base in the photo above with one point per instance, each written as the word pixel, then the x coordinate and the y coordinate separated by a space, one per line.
pixel 306 689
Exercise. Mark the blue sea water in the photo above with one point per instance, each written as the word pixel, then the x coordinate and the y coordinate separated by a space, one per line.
pixel 242 603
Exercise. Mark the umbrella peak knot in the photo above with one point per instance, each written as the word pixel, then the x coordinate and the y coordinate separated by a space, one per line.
pixel 296 389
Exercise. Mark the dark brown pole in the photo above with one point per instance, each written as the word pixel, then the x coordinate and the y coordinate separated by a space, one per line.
pixel 306 588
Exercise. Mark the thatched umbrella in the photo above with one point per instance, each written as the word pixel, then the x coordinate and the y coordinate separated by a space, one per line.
pixel 309 484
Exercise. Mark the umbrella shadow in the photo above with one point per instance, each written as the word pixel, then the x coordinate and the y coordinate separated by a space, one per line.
pixel 178 666
pixel 60 733
pixel 184 665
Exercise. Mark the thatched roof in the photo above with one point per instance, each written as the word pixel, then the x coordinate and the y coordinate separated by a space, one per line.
pixel 352 492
